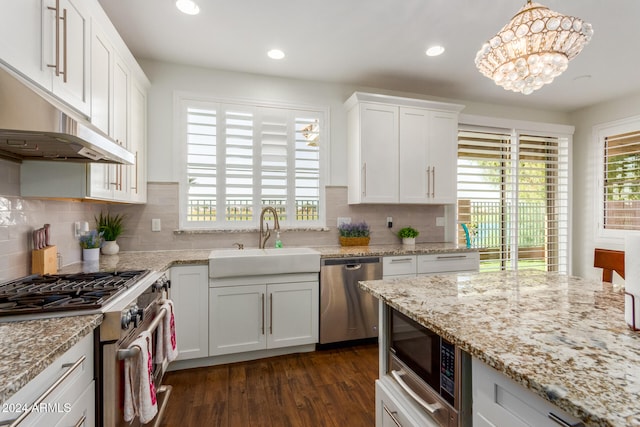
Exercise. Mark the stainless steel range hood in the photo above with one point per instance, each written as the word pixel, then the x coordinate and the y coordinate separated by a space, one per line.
pixel 31 128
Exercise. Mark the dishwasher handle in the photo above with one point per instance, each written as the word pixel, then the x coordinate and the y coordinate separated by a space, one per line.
pixel 353 267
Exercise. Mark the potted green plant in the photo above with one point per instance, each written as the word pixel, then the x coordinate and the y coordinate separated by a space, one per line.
pixel 90 244
pixel 354 234
pixel 111 226
pixel 408 235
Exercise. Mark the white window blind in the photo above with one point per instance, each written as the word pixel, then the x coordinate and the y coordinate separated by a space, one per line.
pixel 513 198
pixel 622 181
pixel 241 158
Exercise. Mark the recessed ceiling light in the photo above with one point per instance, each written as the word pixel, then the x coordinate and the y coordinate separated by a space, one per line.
pixel 435 51
pixel 188 6
pixel 275 54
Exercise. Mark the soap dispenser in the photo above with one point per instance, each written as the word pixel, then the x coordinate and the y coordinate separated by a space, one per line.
pixel 278 241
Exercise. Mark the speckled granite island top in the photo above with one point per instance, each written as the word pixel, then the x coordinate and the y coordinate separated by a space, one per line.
pixel 27 348
pixel 563 337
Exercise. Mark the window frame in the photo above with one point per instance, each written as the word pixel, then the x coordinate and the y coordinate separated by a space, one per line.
pixel 600 132
pixel 184 100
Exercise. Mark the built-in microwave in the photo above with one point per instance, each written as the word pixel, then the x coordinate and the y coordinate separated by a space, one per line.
pixel 431 370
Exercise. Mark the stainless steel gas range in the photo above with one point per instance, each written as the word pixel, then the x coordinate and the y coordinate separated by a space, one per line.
pixel 130 303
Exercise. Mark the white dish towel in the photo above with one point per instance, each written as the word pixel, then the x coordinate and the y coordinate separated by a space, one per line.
pixel 139 390
pixel 166 344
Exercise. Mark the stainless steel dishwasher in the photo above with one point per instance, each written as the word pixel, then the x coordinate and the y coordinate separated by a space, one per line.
pixel 348 313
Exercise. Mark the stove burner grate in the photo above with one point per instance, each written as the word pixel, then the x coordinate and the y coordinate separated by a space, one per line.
pixel 64 292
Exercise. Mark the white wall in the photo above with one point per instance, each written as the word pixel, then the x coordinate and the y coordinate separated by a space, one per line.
pixel 166 78
pixel 585 154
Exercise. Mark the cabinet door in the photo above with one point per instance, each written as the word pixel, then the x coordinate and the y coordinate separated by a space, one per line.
pixel 21 38
pixel 72 85
pixel 237 319
pixel 415 169
pixel 121 124
pixel 190 295
pixel 499 401
pixel 443 153
pixel 101 77
pixel 293 314
pixel 138 144
pixel 378 153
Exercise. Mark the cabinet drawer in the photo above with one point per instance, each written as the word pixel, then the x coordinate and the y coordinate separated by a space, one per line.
pixel 399 265
pixel 394 410
pixel 75 366
pixel 448 262
pixel 498 401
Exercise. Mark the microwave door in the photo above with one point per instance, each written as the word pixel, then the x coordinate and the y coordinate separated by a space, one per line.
pixel 416 347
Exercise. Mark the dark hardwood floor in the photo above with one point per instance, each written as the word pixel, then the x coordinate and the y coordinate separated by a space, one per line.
pixel 333 388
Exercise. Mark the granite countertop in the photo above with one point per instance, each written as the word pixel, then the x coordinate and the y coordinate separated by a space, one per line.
pixel 28 347
pixel 162 260
pixel 563 337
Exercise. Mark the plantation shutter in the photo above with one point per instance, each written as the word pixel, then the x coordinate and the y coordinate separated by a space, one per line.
pixel 622 181
pixel 513 197
pixel 242 158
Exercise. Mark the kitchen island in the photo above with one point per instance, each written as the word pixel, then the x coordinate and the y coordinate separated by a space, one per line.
pixel 562 337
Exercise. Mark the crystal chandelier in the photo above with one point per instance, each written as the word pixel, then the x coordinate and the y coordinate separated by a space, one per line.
pixel 532 49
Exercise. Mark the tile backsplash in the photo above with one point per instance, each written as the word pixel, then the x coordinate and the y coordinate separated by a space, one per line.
pixel 20 216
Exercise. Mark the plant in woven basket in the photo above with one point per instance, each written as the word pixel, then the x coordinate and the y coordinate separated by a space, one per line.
pixel 354 234
pixel 358 229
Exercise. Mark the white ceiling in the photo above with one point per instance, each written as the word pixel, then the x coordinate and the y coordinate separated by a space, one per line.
pixel 381 43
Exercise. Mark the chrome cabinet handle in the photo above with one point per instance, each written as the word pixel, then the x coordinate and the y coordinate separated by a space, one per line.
pixel 433 182
pixel 271 314
pixel 56 65
pixel 431 408
pixel 80 421
pixel 262 300
pixel 64 46
pixel 72 367
pixel 364 179
pixel 451 256
pixel 401 260
pixel 392 415
pixel 428 180
pixel 553 417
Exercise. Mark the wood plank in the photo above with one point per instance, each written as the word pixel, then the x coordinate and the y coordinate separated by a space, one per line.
pixel 330 388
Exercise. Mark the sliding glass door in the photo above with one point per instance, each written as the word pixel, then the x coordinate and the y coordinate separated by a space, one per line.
pixel 513 198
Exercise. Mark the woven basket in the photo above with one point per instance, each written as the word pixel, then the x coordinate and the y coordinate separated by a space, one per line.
pixel 354 241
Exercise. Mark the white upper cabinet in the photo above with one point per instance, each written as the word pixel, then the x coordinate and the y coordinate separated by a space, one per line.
pixel 48 43
pixel 373 153
pixel 401 150
pixel 103 82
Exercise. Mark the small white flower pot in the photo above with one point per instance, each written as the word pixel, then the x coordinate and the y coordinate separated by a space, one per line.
pixel 92 254
pixel 408 241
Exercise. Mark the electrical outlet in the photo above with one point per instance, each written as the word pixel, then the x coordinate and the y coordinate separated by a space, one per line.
pixel 155 224
pixel 343 220
pixel 439 221
pixel 389 222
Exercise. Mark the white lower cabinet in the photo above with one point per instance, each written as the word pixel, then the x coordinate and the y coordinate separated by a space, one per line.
pixel 393 409
pixel 445 262
pixel 71 400
pixel 261 313
pixel 500 401
pixel 190 295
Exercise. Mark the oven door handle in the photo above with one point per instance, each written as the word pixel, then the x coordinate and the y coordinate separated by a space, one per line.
pixel 432 408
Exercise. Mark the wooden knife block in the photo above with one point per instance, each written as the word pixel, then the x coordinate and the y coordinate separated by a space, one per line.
pixel 44 261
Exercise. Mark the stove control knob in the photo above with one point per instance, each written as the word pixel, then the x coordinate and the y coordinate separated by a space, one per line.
pixel 125 320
